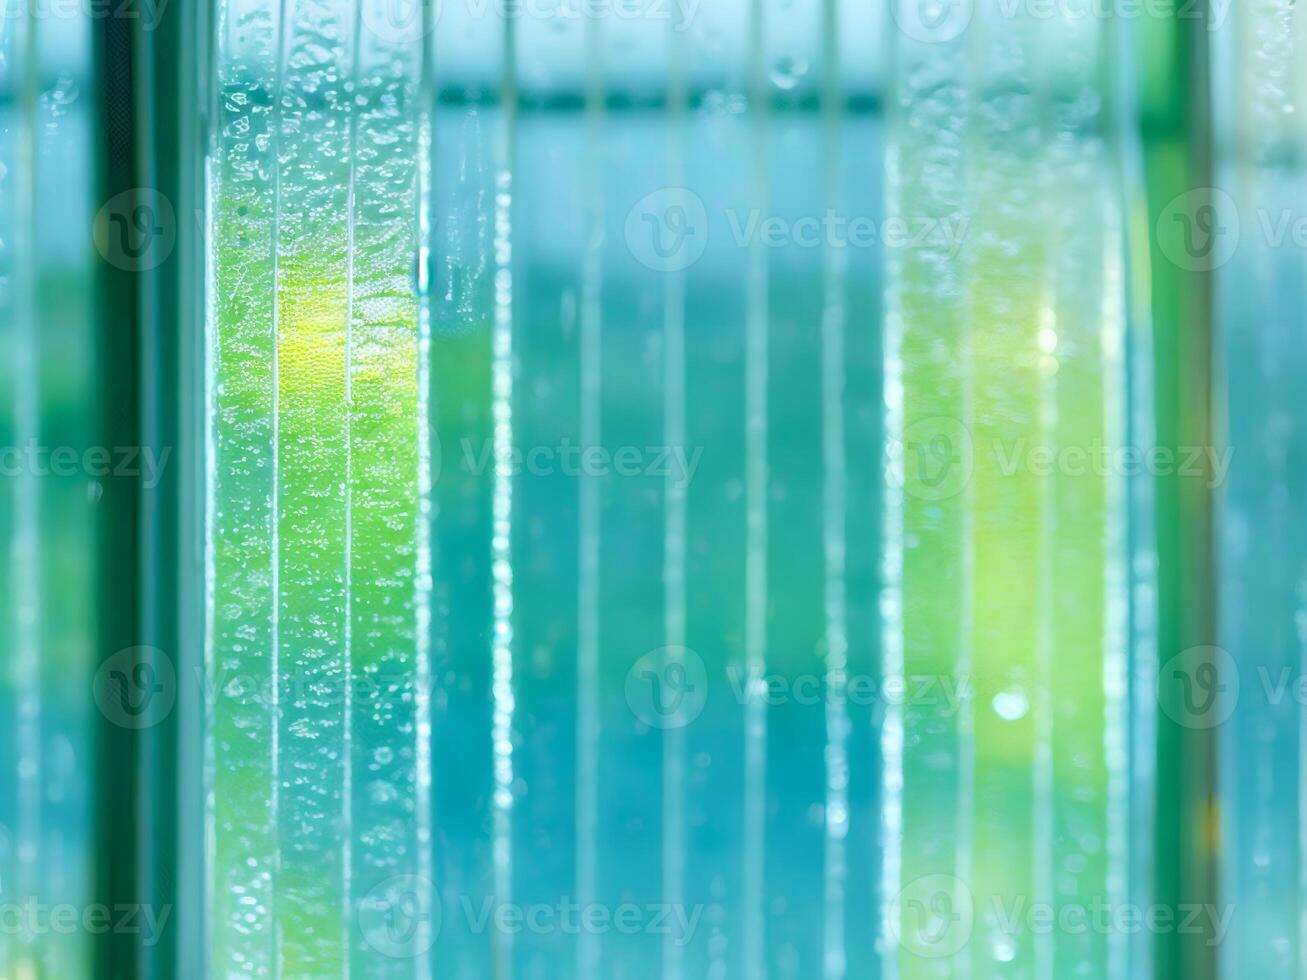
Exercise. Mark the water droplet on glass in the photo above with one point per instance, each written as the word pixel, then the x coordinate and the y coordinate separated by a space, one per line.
pixel 787 72
pixel 1012 704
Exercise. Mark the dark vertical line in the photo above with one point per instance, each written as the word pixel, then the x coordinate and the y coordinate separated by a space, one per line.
pixel 117 789
pixel 1198 512
pixel 159 157
pixel 1176 122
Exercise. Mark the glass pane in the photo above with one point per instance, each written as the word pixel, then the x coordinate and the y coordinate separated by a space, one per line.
pixel 318 567
pixel 1006 551
pixel 50 481
pixel 1250 233
pixel 670 506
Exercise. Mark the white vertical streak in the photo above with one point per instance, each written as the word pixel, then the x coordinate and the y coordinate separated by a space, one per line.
pixel 1045 630
pixel 964 868
pixel 589 529
pixel 1116 745
pixel 1044 818
pixel 347 749
pixel 755 570
pixel 275 742
pixel 211 369
pixel 891 596
pixel 501 541
pixel 891 634
pixel 1138 564
pixel 674 527
pixel 892 542
pixel 423 581
pixel 1296 26
pixel 835 485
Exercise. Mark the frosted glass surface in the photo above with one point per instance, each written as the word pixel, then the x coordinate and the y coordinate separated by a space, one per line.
pixel 318 581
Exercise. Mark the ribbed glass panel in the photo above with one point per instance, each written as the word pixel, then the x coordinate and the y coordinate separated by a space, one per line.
pixel 1006 545
pixel 665 479
pixel 317 554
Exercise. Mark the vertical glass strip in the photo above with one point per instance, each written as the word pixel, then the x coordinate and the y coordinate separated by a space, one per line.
pixel 241 654
pixel 10 35
pixel 315 556
pixel 797 468
pixel 50 480
pixel 383 519
pixel 502 377
pixel 590 831
pixel 853 107
pixel 1081 654
pixel 622 367
pixel 927 598
pixel 314 183
pixel 467 125
pixel 502 646
pixel 1011 502
pixel 836 805
pixel 1006 257
pixel 711 695
pixel 676 872
pixel 22 555
pixel 1136 722
pixel 557 698
pixel 65 382
pixel 754 886
pixel 1259 260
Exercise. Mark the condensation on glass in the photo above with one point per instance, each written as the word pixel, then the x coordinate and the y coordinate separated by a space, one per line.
pixel 317 561
pixel 663 511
